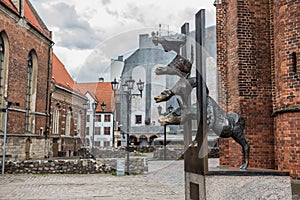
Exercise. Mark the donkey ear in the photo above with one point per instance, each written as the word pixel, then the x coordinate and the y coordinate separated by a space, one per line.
pixel 179 103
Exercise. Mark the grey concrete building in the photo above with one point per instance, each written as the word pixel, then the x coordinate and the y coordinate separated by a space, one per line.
pixel 143 125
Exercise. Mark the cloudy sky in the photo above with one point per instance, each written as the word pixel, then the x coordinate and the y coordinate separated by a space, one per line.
pixel 90 30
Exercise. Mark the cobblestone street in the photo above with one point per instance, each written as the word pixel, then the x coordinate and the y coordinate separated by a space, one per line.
pixel 165 180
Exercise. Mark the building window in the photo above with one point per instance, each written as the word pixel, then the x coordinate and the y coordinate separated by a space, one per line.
pixel 55 119
pixel 97 130
pixel 3 74
pixel 87 130
pixel 106 143
pixel 87 118
pixel 107 118
pixel 98 118
pixel 31 85
pixel 97 143
pixel 68 122
pixel 79 122
pixel 138 119
pixel 2 71
pixel 294 61
pixel 87 141
pixel 106 130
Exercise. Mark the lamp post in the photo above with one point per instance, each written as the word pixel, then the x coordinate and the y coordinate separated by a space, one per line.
pixel 127 88
pixel 170 109
pixel 5 109
pixel 85 107
pixel 94 106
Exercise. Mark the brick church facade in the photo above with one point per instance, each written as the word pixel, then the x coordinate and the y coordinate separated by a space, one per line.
pixel 25 63
pixel 50 117
pixel 258 50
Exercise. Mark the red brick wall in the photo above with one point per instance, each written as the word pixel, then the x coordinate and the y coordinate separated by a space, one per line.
pixel 22 39
pixel 287 143
pixel 221 35
pixel 255 42
pixel 67 100
pixel 287 86
pixel 286 41
pixel 247 80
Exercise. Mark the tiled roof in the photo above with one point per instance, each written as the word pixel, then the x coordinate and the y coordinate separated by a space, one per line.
pixel 9 4
pixel 101 91
pixel 33 18
pixel 30 15
pixel 61 77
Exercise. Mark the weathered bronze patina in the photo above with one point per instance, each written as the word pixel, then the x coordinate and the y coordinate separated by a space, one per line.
pixel 224 124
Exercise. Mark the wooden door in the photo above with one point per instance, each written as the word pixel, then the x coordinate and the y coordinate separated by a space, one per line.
pixel 27 149
pixel 55 147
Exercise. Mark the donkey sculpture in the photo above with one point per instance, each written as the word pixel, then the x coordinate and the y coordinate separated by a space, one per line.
pixel 223 124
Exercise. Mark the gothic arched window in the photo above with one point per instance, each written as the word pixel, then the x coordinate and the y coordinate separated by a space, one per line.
pixel 31 88
pixel 3 73
pixel 68 121
pixel 55 119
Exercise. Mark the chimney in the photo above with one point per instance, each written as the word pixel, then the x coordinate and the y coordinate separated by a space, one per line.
pixel 120 58
pixel 101 79
pixel 19 4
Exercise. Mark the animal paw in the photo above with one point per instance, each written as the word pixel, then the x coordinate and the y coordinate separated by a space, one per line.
pixel 193 144
pixel 244 166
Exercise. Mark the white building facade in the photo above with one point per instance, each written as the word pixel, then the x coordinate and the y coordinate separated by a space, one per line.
pixel 100 114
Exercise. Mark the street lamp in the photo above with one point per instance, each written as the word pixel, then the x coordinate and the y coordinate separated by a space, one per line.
pixel 169 110
pixel 127 88
pixel 115 85
pixel 103 106
pixel 94 106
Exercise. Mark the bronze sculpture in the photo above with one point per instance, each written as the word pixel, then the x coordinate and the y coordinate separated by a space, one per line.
pixel 170 42
pixel 224 124
pixel 178 66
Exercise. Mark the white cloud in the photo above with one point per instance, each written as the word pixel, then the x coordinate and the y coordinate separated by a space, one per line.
pixel 98 61
pixel 79 27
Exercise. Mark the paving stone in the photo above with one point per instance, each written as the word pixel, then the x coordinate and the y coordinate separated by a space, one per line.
pixel 164 180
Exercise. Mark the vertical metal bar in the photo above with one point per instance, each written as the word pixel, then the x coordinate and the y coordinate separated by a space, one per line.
pixel 113 133
pixel 195 158
pixel 127 148
pixel 185 29
pixel 93 134
pixel 4 140
pixel 148 90
pixel 128 98
pixel 201 90
pixel 187 126
pixel 165 140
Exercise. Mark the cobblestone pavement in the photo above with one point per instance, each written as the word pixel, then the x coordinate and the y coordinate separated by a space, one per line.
pixel 165 180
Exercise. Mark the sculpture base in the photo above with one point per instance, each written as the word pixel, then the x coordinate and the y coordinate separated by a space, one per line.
pixel 231 183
